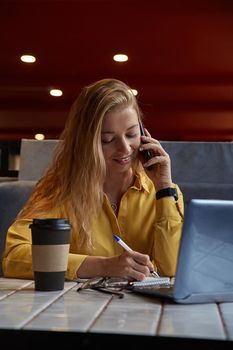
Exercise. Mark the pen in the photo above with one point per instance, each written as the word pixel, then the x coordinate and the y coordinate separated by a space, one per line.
pixel 126 247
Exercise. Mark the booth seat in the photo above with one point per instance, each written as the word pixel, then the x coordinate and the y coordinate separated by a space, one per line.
pixel 201 169
pixel 34 159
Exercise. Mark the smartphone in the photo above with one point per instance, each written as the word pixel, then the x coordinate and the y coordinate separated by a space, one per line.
pixel 147 154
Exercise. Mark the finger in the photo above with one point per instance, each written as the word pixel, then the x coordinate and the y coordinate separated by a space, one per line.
pixel 156 148
pixel 139 272
pixel 132 270
pixel 143 260
pixel 148 139
pixel 156 160
pixel 135 275
pixel 147 132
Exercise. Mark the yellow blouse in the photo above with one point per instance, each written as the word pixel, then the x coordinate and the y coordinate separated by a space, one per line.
pixel 147 225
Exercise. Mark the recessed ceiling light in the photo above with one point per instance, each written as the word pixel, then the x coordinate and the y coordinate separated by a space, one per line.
pixel 120 57
pixel 135 92
pixel 39 136
pixel 28 58
pixel 55 92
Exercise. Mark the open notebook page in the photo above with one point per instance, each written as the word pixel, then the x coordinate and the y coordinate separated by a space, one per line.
pixel 151 281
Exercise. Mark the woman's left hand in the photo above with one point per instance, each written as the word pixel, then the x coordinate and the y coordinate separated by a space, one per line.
pixel 160 173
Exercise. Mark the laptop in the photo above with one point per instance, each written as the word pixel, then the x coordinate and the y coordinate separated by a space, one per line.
pixel 204 271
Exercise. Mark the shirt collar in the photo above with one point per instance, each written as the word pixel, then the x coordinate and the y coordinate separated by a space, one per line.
pixel 141 181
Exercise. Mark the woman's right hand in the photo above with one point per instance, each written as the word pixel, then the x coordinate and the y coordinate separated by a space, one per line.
pixel 131 265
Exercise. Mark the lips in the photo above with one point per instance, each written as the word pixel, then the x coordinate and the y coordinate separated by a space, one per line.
pixel 124 160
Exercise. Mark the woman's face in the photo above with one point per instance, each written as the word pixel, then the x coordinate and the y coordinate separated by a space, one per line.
pixel 120 138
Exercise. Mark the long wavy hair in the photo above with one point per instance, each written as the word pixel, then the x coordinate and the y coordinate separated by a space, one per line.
pixel 74 181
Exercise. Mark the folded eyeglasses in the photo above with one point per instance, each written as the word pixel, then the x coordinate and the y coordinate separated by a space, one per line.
pixel 108 285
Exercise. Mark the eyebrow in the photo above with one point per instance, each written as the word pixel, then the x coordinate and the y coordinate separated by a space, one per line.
pixel 112 132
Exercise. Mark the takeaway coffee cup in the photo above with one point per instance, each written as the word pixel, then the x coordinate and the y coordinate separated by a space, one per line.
pixel 50 249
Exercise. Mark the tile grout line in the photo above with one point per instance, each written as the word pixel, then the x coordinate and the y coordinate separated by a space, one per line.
pixel 45 306
pixel 27 284
pixel 224 325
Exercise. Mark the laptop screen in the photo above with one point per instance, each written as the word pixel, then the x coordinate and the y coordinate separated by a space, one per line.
pixel 205 261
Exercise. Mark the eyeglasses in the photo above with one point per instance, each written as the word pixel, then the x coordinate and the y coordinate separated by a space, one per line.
pixel 107 285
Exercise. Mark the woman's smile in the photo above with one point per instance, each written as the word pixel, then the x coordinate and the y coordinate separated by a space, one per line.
pixel 123 160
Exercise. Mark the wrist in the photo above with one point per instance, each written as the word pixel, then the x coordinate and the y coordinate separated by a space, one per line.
pixel 167 192
pixel 93 266
pixel 164 185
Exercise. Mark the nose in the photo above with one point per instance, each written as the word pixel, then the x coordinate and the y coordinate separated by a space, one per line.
pixel 123 145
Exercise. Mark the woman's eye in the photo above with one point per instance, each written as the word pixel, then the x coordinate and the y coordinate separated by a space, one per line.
pixel 107 140
pixel 132 135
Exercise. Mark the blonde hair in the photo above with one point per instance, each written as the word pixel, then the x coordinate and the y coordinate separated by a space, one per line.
pixel 74 181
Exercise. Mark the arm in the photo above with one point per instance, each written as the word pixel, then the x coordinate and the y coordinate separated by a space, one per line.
pixel 169 213
pixel 168 229
pixel 130 265
pixel 17 259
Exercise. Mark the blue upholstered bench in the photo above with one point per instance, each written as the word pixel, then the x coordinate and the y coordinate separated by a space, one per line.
pixel 201 169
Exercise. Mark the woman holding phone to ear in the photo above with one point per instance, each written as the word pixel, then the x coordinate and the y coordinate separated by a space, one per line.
pixel 99 180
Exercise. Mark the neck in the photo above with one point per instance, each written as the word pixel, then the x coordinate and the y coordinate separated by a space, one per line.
pixel 116 185
pixel 118 182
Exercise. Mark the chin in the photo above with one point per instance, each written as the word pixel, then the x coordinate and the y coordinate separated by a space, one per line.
pixel 123 168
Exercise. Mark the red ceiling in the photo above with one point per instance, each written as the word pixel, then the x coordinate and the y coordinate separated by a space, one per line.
pixel 180 61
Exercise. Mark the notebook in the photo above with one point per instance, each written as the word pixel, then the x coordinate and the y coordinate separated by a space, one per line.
pixel 205 260
pixel 151 281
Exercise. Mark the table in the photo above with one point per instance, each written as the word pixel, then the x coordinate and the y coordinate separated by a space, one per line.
pixel 91 318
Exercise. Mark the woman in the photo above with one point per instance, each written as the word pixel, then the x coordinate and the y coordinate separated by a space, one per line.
pixel 100 181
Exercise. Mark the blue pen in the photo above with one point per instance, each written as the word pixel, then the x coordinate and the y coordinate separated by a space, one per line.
pixel 122 243
pixel 126 247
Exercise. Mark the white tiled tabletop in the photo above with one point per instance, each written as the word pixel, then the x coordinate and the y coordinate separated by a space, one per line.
pixel 88 311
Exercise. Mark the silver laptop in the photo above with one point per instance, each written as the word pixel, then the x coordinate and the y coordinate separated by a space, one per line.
pixel 205 263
